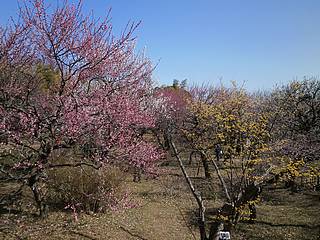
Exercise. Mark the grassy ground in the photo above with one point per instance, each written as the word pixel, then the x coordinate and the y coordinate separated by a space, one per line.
pixel 166 210
pixel 286 216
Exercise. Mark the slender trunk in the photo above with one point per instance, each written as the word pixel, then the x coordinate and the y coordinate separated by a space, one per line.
pixel 215 228
pixel 193 153
pixel 223 183
pixel 253 212
pixel 205 166
pixel 292 185
pixel 166 143
pixel 37 194
pixel 158 139
pixel 137 175
pixel 317 188
pixel 196 194
pixel 202 222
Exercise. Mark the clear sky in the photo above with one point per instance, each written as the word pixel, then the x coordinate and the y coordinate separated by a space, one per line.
pixel 259 42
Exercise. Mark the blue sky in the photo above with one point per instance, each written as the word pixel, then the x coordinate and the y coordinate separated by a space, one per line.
pixel 261 43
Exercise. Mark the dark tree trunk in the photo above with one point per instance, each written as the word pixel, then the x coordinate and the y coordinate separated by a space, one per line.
pixel 253 213
pixel 205 166
pixel 317 187
pixel 292 185
pixel 137 175
pixel 215 228
pixel 38 195
pixel 166 143
pixel 202 229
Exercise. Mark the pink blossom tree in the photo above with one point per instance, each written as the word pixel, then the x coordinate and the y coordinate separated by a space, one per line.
pixel 170 108
pixel 91 95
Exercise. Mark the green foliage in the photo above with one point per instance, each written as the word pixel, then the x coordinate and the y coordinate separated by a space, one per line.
pixel 175 83
pixel 49 78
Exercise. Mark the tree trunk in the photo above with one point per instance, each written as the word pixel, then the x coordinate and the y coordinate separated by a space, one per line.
pixel 205 166
pixel 33 183
pixel 137 175
pixel 292 185
pixel 317 188
pixel 166 143
pixel 201 224
pixel 196 194
pixel 253 213
pixel 223 183
pixel 215 228
pixel 42 206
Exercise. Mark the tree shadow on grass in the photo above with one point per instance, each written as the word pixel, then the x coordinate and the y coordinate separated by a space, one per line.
pixel 192 216
pixel 314 227
pixel 132 234
pixel 83 235
pixel 5 210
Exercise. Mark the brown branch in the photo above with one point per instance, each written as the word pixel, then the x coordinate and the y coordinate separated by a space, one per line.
pixel 224 185
pixel 196 194
pixel 75 165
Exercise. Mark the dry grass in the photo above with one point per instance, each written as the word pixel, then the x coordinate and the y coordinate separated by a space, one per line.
pixel 286 216
pixel 166 211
